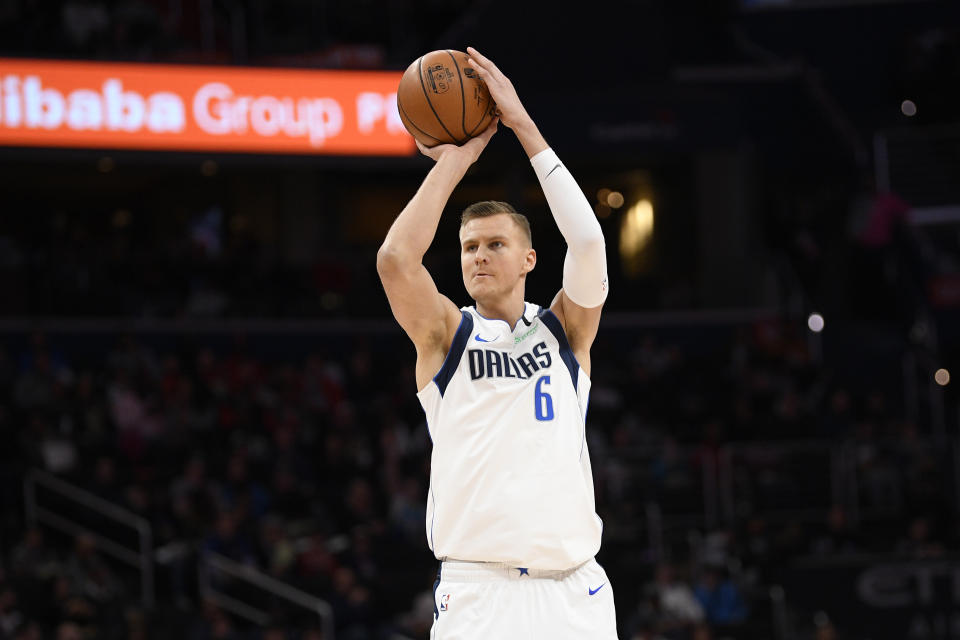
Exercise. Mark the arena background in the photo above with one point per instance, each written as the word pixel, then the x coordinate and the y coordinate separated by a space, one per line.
pixel 208 420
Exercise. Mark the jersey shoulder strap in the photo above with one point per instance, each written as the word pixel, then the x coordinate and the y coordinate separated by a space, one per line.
pixel 552 322
pixel 450 363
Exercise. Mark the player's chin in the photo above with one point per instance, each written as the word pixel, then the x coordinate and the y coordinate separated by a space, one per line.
pixel 477 287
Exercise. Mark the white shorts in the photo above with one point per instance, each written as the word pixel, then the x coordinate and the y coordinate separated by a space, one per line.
pixel 489 601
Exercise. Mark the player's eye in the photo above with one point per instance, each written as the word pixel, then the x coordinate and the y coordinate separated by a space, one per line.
pixel 496 244
pixel 470 247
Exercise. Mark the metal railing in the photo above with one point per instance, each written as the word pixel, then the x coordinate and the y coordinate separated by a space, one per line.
pixel 213 563
pixel 731 489
pixel 141 558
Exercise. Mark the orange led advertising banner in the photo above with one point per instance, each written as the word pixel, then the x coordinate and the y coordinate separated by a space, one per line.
pixel 46 103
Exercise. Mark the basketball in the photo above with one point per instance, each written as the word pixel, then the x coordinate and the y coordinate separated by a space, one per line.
pixel 442 100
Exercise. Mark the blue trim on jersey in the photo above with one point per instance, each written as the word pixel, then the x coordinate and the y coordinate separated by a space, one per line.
pixel 436 585
pixel 450 363
pixel 549 318
pixel 584 440
pixel 433 517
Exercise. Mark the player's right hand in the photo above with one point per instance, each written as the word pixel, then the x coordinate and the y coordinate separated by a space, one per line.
pixel 469 150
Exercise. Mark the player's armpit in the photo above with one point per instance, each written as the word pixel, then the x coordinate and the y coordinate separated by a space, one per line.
pixel 579 323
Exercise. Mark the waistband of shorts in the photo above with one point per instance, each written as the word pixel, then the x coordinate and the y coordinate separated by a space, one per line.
pixel 464 571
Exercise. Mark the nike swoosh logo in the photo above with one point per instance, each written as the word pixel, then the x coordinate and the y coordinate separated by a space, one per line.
pixel 593 591
pixel 557 166
pixel 479 339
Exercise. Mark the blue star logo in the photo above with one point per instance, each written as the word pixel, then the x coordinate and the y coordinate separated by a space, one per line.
pixel 523 571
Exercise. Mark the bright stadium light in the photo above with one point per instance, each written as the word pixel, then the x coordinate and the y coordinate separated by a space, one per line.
pixel 815 322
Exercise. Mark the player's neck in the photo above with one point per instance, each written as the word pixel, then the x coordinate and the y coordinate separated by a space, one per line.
pixel 508 309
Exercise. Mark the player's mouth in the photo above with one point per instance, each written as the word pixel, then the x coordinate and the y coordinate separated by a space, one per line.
pixel 481 274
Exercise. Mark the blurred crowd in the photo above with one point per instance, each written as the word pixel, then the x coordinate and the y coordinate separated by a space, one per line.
pixel 311 467
pixel 203 264
pixel 325 34
pixel 723 452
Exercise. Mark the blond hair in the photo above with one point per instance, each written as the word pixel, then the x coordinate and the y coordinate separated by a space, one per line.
pixel 493 207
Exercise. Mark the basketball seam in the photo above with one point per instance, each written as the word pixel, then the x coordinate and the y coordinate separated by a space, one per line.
pixel 414 124
pixel 483 117
pixel 463 96
pixel 430 104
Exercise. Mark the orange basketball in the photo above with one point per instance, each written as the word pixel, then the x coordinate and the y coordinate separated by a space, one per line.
pixel 442 99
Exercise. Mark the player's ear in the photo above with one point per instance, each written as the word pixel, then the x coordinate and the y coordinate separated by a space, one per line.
pixel 530 261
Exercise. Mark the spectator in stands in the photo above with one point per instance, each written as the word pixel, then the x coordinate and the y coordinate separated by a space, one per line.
pixel 90 575
pixel 241 493
pixel 69 631
pixel 10 616
pixel 920 540
pixel 214 624
pixel 31 558
pixel 351 605
pixel 230 540
pixel 679 610
pixel 721 598
pixel 192 499
pixel 29 630
pixel 276 550
pixel 837 535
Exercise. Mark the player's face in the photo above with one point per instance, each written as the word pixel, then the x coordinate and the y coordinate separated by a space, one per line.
pixel 494 255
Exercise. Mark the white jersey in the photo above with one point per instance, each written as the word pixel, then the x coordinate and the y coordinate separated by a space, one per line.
pixel 510 477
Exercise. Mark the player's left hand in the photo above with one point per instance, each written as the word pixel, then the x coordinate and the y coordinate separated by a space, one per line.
pixel 509 107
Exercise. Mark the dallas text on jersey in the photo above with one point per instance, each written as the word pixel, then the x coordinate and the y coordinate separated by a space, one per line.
pixel 498 364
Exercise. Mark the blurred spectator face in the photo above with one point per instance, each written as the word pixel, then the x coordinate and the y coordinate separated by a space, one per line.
pixel 837 518
pixel 361 541
pixel 664 574
pixel 359 499
pixel 826 632
pixel 30 631
pixel 196 470
pixel 225 525
pixel 271 531
pixel 221 627
pixel 919 530
pixel 701 632
pixel 85 546
pixel 283 480
pixel 710 578
pixel 237 469
pixel 316 558
pixel 344 580
pixel 69 631
pixel 105 471
pixel 61 589
pixel 8 600
pixel 34 538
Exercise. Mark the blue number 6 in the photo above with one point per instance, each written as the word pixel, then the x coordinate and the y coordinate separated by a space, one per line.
pixel 542 402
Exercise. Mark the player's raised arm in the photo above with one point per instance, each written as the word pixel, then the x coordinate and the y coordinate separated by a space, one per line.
pixel 585 285
pixel 429 318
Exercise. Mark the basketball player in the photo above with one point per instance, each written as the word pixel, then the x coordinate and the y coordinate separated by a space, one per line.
pixel 504 385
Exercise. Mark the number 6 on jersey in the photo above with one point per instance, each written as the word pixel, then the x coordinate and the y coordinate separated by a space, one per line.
pixel 542 402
